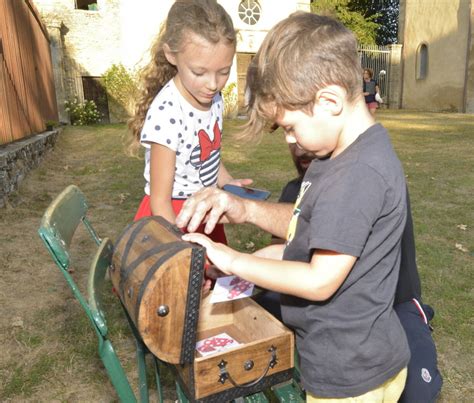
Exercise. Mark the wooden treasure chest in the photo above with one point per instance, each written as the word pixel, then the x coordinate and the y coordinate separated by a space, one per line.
pixel 159 279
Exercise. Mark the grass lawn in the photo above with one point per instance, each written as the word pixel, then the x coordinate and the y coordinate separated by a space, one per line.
pixel 49 351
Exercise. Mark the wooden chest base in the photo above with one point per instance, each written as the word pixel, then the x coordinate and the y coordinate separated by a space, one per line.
pixel 264 358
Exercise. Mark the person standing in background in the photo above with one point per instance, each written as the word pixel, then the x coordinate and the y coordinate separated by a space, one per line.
pixel 370 89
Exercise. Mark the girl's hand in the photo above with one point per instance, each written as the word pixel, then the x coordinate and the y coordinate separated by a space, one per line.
pixel 206 287
pixel 224 178
pixel 213 273
pixel 220 255
pixel 240 182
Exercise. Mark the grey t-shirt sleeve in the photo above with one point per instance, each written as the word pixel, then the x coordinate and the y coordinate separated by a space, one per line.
pixel 346 210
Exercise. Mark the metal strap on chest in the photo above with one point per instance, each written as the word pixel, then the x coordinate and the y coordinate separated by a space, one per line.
pixel 192 305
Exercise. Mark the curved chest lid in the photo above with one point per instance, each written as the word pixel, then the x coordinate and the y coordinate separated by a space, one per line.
pixel 159 279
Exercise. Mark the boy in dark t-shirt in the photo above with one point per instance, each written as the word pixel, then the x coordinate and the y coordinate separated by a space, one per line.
pixel 424 380
pixel 338 271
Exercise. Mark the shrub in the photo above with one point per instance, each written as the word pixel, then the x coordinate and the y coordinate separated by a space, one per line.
pixel 229 93
pixel 82 113
pixel 50 124
pixel 121 85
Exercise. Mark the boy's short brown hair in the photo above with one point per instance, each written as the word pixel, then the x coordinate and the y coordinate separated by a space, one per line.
pixel 299 56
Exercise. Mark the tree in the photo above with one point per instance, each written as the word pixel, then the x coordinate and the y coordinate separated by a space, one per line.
pixel 364 27
pixel 386 16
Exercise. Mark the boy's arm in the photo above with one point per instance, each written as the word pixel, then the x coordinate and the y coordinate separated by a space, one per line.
pixel 274 251
pixel 314 281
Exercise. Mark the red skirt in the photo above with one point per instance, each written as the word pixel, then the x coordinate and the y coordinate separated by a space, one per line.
pixel 144 210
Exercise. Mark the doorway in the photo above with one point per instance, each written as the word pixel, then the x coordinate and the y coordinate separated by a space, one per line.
pixel 243 61
pixel 93 90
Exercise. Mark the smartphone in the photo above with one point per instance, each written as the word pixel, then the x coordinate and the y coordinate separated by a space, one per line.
pixel 247 193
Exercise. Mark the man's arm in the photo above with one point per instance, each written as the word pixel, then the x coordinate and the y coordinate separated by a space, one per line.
pixel 270 217
pixel 211 205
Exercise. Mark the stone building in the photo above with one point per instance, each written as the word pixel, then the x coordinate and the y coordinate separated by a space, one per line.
pixel 88 36
pixel 438 55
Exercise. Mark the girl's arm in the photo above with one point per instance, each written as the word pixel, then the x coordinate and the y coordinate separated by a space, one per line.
pixel 224 178
pixel 314 281
pixel 162 164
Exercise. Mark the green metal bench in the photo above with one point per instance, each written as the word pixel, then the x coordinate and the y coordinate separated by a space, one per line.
pixel 58 225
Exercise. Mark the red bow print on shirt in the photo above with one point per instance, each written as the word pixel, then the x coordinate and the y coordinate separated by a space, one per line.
pixel 208 145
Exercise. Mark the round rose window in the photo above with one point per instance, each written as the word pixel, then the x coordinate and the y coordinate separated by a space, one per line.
pixel 249 11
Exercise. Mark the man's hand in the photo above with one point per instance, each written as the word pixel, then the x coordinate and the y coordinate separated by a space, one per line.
pixel 211 205
pixel 219 254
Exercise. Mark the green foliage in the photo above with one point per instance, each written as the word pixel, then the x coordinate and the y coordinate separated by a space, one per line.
pixel 364 28
pixel 82 113
pixel 121 85
pixel 229 93
pixel 50 124
pixel 386 11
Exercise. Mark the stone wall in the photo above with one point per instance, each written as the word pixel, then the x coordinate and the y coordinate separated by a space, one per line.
pixel 444 29
pixel 20 157
pixel 395 77
pixel 469 87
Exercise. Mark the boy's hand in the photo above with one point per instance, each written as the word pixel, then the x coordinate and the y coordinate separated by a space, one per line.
pixel 209 205
pixel 220 255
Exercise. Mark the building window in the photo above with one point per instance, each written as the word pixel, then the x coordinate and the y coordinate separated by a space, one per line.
pixel 90 5
pixel 249 11
pixel 422 62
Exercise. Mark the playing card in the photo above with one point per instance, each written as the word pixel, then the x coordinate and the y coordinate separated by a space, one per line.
pixel 216 344
pixel 230 288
